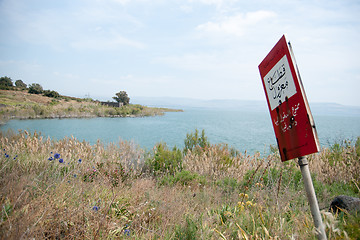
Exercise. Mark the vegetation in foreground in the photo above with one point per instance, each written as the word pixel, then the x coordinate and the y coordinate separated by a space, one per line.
pixel 68 189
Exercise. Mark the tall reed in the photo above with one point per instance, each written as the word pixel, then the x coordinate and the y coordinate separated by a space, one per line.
pixel 73 190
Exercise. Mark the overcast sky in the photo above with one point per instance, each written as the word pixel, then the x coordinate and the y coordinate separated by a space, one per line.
pixel 205 49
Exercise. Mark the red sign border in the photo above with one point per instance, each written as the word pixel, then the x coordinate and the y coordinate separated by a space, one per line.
pixel 304 140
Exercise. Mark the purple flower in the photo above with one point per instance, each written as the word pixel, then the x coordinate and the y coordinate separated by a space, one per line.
pixel 80 160
pixel 50 158
pixel 6 155
pixel 61 160
pixel 95 208
pixel 127 232
pixel 57 155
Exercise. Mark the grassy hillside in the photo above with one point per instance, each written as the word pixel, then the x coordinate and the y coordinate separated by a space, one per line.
pixel 23 105
pixel 69 189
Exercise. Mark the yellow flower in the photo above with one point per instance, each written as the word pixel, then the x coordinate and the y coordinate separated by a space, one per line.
pixel 241 206
pixel 243 195
pixel 249 203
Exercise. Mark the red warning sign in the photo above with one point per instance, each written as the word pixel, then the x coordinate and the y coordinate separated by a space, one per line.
pixel 289 109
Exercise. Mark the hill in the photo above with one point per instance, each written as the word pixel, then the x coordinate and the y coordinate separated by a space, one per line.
pixel 23 105
pixel 332 109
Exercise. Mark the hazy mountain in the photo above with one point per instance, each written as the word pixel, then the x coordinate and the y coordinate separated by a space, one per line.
pixel 243 105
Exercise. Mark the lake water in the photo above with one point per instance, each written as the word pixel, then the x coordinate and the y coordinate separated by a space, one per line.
pixel 245 130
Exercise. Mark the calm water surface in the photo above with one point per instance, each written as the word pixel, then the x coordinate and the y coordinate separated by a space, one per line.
pixel 251 131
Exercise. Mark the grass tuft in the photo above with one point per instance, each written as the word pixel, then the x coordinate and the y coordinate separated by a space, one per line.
pixel 119 191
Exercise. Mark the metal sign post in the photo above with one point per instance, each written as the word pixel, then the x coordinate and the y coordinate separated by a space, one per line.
pixel 291 117
pixel 310 192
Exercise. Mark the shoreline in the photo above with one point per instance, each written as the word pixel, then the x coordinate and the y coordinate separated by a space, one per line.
pixel 24 106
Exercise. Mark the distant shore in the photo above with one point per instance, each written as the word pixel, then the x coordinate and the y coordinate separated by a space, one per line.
pixel 23 105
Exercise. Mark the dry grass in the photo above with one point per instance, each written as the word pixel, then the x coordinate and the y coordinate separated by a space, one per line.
pixel 109 195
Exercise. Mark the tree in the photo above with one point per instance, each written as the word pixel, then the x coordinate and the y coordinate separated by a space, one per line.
pixel 50 93
pixel 35 88
pixel 5 82
pixel 20 84
pixel 122 97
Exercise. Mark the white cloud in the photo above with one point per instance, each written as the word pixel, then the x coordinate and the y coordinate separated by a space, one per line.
pixel 236 25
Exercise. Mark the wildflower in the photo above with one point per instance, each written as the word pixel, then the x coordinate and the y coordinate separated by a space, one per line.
pixel 249 203
pixel 243 195
pixel 127 230
pixel 75 175
pixel 241 206
pixel 7 155
pixel 57 155
pixel 61 160
pixel 95 208
pixel 80 160
pixel 50 158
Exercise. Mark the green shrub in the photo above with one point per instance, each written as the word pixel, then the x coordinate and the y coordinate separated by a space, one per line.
pixel 194 142
pixel 52 94
pixel 35 88
pixel 6 83
pixel 163 160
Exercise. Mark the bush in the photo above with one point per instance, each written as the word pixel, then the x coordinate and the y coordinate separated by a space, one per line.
pixel 162 160
pixel 20 84
pixel 35 88
pixel 52 94
pixel 195 142
pixel 5 82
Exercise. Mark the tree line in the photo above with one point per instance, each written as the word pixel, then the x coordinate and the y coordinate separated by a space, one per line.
pixel 6 83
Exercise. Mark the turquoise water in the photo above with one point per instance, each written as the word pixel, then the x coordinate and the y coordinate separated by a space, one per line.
pixel 250 131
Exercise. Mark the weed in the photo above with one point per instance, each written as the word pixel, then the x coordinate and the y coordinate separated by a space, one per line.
pixel 163 160
pixel 119 191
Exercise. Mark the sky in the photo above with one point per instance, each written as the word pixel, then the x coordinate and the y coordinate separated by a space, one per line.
pixel 202 49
